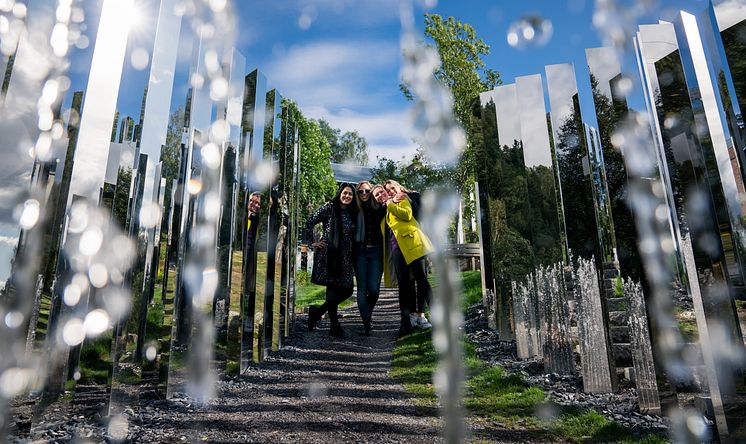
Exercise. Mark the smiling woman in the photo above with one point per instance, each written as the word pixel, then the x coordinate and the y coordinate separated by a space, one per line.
pixel 333 255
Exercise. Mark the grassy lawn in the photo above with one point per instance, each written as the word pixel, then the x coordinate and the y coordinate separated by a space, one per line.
pixel 307 294
pixel 495 396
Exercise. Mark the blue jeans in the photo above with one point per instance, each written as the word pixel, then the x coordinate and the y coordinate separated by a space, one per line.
pixel 368 272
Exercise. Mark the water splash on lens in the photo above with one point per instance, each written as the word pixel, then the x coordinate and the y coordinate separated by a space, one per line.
pixel 530 31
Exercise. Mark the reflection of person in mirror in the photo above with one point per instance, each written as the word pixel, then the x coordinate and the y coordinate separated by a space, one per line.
pixel 407 246
pixel 254 206
pixel 332 265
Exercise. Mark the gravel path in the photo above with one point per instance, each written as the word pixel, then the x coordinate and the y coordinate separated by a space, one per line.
pixel 317 389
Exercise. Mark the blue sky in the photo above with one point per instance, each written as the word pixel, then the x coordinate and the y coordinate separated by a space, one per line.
pixel 339 59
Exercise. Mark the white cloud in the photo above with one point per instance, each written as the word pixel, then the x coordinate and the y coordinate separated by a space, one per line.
pixel 335 74
pixel 332 80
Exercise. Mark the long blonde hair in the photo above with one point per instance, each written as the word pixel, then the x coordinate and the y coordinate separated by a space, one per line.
pixel 397 184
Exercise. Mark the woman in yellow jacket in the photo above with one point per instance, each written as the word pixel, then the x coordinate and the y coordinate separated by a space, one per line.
pixel 405 246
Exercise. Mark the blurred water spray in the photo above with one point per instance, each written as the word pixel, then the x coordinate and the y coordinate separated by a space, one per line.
pixel 214 22
pixel 31 130
pixel 616 21
pixel 647 199
pixel 530 31
pixel 444 141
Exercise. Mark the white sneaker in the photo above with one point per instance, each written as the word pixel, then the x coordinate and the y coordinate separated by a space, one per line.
pixel 422 322
pixel 414 319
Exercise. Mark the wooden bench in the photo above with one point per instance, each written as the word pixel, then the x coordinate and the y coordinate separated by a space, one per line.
pixel 467 255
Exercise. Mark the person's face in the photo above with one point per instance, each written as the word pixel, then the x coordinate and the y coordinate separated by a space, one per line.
pixel 380 195
pixel 255 204
pixel 392 189
pixel 363 192
pixel 346 197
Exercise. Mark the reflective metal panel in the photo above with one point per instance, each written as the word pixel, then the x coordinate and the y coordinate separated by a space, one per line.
pixel 572 159
pixel 694 191
pixel 715 141
pixel 250 207
pixel 160 88
pixel 545 210
pixel 272 288
pixel 580 219
pixel 505 188
pixel 225 302
pixel 611 107
pixel 729 17
pixel 101 99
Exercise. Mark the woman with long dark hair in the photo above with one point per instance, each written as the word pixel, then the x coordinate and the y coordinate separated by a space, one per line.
pixel 368 252
pixel 333 255
pixel 407 246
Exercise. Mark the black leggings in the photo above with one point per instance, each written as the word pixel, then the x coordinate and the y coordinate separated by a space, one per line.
pixel 408 275
pixel 335 295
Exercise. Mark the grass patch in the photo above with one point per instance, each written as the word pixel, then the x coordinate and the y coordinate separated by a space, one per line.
pixel 591 426
pixel 472 281
pixel 689 330
pixel 95 359
pixel 741 305
pixel 310 294
pixel 503 397
pixel 413 363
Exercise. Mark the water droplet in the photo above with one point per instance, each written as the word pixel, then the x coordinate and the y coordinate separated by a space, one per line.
pixel 140 59
pixel 14 319
pixel 118 428
pixel 218 89
pixel 194 186
pixel 71 295
pixel 14 381
pixel 219 131
pixel 96 322
pixel 317 390
pixel 197 80
pixel 150 215
pixel 90 241
pixel 28 214
pixel 218 5
pixel 98 275
pixel 531 30
pixel 211 155
pixel 151 352
pixel 696 425
pixel 73 332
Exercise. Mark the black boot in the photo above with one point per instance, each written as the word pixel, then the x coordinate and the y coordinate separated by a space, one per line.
pixel 313 317
pixel 336 331
pixel 366 327
pixel 406 325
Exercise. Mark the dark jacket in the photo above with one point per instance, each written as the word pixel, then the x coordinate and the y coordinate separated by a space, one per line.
pixel 333 264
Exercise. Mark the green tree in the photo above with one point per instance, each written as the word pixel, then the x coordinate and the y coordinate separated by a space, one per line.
pixel 350 146
pixel 353 147
pixel 464 73
pixel 331 134
pixel 418 175
pixel 170 157
pixel 317 183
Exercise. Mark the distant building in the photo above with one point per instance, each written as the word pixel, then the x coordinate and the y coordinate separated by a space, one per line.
pixel 344 172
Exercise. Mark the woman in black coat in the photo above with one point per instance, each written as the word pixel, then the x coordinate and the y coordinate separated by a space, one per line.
pixel 333 255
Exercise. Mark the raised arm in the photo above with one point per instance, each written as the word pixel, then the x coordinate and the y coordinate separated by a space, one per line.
pixel 402 210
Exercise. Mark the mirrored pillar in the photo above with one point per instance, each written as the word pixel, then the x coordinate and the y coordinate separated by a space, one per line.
pixel 696 193
pixel 583 245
